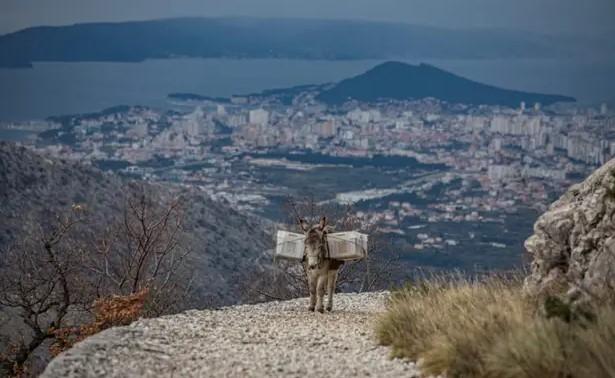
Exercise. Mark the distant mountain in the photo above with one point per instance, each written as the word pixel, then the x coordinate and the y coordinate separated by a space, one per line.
pixel 266 38
pixel 196 97
pixel 401 81
pixel 224 243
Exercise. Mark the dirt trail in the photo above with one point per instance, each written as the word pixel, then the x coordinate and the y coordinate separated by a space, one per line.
pixel 275 339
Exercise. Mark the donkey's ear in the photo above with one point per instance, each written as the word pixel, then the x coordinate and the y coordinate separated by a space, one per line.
pixel 323 223
pixel 303 225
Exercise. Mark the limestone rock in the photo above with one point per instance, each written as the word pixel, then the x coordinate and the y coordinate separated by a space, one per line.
pixel 573 245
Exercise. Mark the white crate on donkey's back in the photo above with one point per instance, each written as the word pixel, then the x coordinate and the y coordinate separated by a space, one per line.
pixel 289 246
pixel 350 245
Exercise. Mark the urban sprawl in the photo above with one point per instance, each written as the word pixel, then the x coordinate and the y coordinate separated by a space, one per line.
pixel 474 163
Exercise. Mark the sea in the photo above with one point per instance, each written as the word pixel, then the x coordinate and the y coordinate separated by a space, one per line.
pixel 58 88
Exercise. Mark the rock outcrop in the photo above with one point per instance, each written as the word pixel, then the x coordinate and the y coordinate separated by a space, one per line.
pixel 573 246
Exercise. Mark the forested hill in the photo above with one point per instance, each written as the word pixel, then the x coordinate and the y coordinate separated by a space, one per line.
pixel 267 38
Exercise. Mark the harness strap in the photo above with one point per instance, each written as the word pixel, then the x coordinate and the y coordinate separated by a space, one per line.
pixel 327 255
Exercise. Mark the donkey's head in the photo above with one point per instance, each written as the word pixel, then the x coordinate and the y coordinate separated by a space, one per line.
pixel 315 242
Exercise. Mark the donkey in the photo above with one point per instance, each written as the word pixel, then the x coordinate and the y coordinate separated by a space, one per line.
pixel 321 270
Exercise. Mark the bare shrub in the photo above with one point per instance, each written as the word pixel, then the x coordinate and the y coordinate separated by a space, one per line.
pixel 144 249
pixel 58 278
pixel 40 278
pixel 116 310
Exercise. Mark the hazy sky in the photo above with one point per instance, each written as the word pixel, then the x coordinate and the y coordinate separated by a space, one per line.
pixel 550 16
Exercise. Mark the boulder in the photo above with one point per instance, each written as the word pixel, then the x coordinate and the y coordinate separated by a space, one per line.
pixel 573 245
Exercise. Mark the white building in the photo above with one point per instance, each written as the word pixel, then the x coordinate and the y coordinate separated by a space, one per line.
pixel 258 117
pixel 364 116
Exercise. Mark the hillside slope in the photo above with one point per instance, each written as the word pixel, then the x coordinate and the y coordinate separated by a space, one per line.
pixel 274 339
pixel 224 243
pixel 265 38
pixel 401 81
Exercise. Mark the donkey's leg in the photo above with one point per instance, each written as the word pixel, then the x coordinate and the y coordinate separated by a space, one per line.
pixel 331 281
pixel 312 286
pixel 322 282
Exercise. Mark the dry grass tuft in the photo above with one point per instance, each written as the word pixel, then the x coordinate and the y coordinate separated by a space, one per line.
pixel 112 311
pixel 488 328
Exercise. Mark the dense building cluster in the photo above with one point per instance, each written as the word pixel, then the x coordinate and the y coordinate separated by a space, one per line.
pixel 495 158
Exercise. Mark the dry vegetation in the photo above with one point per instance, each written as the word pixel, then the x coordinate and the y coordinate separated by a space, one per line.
pixel 487 328
pixel 70 279
pixel 112 311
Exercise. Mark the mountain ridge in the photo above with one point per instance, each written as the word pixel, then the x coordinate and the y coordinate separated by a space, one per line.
pixel 393 80
pixel 401 81
pixel 243 37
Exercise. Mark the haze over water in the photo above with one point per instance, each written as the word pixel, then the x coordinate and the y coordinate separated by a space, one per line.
pixel 66 88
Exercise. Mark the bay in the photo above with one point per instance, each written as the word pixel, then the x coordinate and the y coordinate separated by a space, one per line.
pixel 58 88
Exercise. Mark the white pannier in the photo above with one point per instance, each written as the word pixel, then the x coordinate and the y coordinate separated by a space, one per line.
pixel 289 246
pixel 350 245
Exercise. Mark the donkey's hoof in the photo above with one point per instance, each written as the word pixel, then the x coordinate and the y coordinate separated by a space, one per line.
pixel 329 308
pixel 321 310
pixel 311 308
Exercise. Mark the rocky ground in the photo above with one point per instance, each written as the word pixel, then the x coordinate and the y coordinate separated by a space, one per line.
pixel 271 339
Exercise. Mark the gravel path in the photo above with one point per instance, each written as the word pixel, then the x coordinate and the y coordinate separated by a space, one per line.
pixel 275 339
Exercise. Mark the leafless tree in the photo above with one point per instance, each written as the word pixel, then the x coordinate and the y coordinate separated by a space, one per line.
pixel 144 249
pixel 53 276
pixel 40 279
